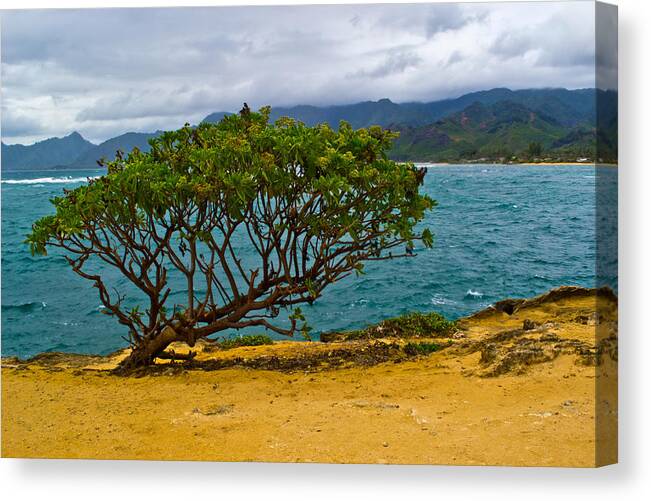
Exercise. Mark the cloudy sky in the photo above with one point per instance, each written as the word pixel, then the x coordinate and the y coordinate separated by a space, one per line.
pixel 103 72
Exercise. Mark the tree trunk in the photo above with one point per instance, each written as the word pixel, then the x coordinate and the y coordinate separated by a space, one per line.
pixel 146 352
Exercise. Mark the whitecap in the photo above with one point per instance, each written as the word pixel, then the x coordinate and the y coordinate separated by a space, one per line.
pixel 359 302
pixel 440 299
pixel 49 180
pixel 471 294
pixel 67 323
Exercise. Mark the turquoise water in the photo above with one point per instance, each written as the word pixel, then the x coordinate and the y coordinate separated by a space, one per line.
pixel 500 231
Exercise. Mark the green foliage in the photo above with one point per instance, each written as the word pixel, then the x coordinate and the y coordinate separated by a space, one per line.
pixel 534 150
pixel 248 340
pixel 507 131
pixel 423 348
pixel 315 203
pixel 411 325
pixel 419 325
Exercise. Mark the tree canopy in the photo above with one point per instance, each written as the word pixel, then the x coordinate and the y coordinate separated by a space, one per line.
pixel 313 203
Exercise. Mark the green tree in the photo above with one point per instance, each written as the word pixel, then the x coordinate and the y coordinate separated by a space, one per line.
pixel 313 203
pixel 534 150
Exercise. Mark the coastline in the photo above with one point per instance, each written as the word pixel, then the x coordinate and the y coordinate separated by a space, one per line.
pixel 514 164
pixel 421 163
pixel 522 369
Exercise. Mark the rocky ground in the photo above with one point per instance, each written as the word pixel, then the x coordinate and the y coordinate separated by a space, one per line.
pixel 525 382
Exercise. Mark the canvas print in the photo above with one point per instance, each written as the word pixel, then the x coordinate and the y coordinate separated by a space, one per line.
pixel 321 233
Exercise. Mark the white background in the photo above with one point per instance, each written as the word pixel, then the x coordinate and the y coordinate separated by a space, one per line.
pixel 630 479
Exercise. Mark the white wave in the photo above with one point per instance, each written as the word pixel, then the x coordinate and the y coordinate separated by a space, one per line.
pixel 440 299
pixel 360 302
pixel 49 180
pixel 473 294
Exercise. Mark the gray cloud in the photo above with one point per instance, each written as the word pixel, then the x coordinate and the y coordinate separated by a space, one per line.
pixel 455 57
pixel 14 124
pixel 394 62
pixel 556 41
pixel 449 17
pixel 106 71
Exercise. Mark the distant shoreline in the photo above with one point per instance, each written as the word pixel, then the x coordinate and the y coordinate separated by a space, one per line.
pixel 514 164
pixel 424 164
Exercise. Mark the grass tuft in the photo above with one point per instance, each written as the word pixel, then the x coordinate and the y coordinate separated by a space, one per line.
pixel 248 340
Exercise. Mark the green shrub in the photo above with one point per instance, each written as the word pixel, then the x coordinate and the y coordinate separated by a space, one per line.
pixel 407 326
pixel 414 349
pixel 249 340
pixel 418 325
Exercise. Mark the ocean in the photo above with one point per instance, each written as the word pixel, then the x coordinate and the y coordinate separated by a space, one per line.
pixel 500 231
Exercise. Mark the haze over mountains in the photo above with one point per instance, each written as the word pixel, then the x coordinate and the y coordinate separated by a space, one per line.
pixel 493 124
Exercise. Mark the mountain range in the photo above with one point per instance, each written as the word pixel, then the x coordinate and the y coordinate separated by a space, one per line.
pixel 497 124
pixel 504 131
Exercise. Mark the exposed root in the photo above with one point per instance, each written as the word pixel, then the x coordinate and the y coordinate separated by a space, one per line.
pixel 172 355
pixel 348 354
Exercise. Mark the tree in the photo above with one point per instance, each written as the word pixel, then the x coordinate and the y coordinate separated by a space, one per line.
pixel 313 204
pixel 534 150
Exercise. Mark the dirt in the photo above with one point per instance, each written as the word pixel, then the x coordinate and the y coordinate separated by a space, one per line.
pixel 532 384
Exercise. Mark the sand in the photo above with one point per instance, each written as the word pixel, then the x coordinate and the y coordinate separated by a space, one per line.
pixel 445 408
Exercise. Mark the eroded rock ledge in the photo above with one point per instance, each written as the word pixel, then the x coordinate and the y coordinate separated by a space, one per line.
pixel 508 337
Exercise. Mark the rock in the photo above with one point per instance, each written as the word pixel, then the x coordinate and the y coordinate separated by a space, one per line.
pixel 528 325
pixel 488 354
pixel 508 306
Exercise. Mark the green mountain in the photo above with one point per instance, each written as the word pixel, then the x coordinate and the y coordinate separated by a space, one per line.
pixel 107 149
pixel 495 124
pixel 569 107
pixel 44 154
pixel 502 129
pixel 508 130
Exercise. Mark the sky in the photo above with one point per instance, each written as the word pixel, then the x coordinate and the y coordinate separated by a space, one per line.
pixel 103 72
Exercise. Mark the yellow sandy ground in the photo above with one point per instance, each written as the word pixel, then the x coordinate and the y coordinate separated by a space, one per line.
pixel 435 409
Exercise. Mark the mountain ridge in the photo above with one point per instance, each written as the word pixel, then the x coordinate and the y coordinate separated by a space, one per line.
pixel 53 151
pixel 566 125
pixel 503 131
